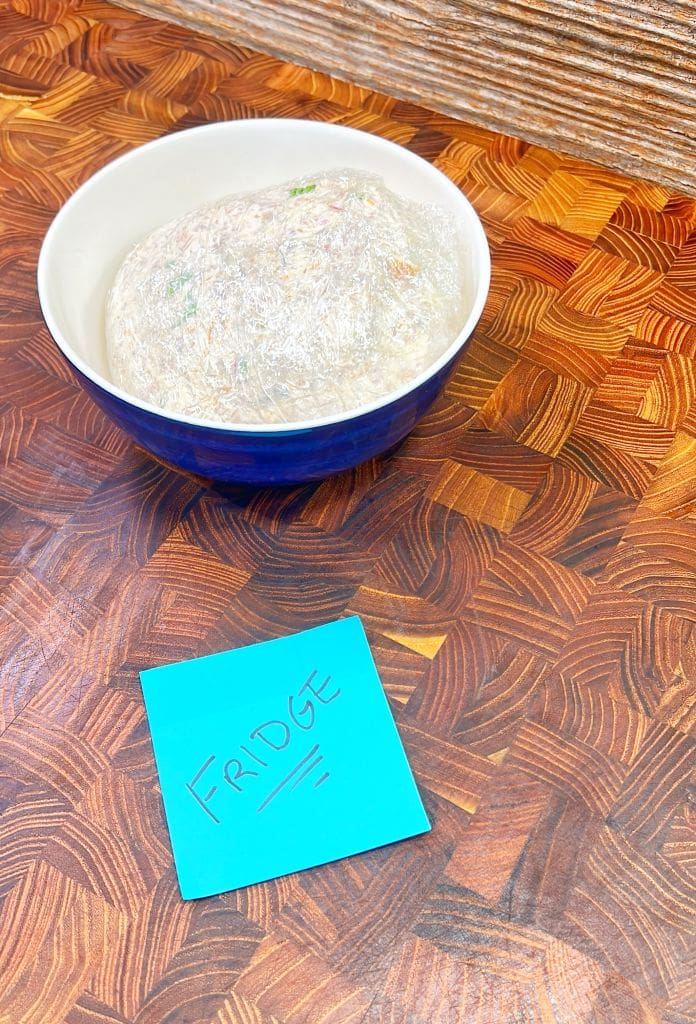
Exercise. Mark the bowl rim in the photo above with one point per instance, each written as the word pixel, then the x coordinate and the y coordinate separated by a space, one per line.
pixel 475 233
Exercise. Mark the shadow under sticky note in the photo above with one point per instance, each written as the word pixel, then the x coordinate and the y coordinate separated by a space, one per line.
pixel 278 757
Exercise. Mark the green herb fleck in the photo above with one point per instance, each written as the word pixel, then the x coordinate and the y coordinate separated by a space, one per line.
pixel 301 189
pixel 177 283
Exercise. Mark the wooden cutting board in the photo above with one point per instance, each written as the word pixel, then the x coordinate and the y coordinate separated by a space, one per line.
pixel 525 566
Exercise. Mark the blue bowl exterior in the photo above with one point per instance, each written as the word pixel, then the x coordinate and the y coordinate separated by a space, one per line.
pixel 279 457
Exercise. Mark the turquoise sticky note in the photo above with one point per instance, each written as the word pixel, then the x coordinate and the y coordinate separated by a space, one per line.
pixel 278 757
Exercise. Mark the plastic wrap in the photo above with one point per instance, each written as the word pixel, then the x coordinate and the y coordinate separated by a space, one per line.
pixel 303 300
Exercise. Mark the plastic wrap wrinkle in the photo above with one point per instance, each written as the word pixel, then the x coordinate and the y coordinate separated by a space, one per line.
pixel 296 302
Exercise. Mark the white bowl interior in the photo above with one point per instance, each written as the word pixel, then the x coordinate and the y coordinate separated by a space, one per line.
pixel 157 182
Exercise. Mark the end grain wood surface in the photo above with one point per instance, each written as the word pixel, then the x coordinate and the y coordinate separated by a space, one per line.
pixel 525 566
pixel 610 81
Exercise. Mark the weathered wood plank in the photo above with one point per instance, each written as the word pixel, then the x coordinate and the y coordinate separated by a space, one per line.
pixel 612 82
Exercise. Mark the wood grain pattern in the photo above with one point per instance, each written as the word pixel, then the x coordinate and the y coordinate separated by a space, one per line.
pixel 524 564
pixel 611 82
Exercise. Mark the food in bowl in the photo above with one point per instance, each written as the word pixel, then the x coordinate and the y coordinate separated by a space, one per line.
pixel 165 179
pixel 304 299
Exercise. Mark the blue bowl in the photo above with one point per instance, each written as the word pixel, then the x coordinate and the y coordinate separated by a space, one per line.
pixel 128 198
pixel 285 456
